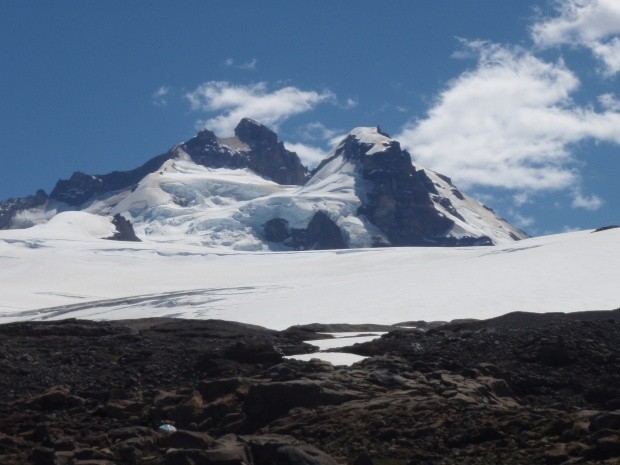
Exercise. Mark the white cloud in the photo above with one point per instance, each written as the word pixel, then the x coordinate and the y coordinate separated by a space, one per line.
pixel 509 123
pixel 587 202
pixel 250 65
pixel 159 96
pixel 350 103
pixel 521 221
pixel 521 198
pixel 609 54
pixel 594 24
pixel 309 155
pixel 609 102
pixel 234 102
pixel 318 131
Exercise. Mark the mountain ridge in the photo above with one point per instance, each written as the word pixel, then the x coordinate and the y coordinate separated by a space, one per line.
pixel 368 190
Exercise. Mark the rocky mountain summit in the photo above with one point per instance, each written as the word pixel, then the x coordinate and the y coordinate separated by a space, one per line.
pixel 248 192
pixel 255 147
pixel 519 389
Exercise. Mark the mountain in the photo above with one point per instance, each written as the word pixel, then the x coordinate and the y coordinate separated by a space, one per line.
pixel 249 192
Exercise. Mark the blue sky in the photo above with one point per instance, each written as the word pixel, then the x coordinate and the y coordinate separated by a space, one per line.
pixel 518 101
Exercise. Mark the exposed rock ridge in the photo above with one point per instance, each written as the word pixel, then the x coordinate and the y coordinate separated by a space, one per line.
pixel 266 157
pixel 10 207
pixel 124 230
pixel 82 187
pixel 400 200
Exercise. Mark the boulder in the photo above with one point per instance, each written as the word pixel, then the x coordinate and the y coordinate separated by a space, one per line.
pixel 124 230
pixel 186 440
pixel 266 402
pixel 42 456
pixel 270 449
pixel 55 398
pixel 250 352
pixel 605 420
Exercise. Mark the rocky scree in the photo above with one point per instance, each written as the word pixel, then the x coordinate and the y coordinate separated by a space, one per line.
pixel 519 389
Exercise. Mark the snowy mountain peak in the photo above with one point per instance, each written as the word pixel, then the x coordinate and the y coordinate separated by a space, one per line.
pixel 409 206
pixel 248 192
pixel 373 138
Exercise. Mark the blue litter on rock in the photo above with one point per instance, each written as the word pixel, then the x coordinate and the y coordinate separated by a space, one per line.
pixel 167 428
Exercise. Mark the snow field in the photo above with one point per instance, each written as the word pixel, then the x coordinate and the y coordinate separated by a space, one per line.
pixel 67 267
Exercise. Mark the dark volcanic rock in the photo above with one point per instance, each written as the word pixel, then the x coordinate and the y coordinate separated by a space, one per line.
pixel 269 158
pixel 9 207
pixel 124 230
pixel 265 402
pixel 285 450
pixel 264 154
pixel 605 228
pixel 253 353
pixel 277 230
pixel 255 134
pixel 55 398
pixel 323 234
pixel 186 440
pixel 320 234
pixel 470 393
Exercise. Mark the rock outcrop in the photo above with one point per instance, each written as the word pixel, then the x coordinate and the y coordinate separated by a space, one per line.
pixel 124 230
pixel 322 233
pixel 255 147
pixel 268 157
pixel 470 393
pixel 10 207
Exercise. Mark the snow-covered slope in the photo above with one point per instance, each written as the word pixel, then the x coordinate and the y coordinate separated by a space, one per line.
pixel 207 192
pixel 470 216
pixel 81 276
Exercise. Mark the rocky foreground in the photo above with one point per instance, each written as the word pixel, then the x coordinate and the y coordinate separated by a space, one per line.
pixel 519 389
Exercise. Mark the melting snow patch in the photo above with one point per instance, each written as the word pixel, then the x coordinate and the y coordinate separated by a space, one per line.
pixel 339 340
pixel 335 358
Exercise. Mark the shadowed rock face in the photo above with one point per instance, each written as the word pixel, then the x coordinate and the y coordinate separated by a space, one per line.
pixel 268 157
pixel 9 207
pixel 396 197
pixel 323 234
pixel 124 230
pixel 81 187
pixel 320 234
pixel 399 201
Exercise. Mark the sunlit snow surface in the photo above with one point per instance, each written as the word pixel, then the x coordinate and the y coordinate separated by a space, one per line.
pixel 338 340
pixel 61 270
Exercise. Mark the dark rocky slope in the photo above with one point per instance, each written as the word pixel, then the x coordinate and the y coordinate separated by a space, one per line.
pixel 10 207
pixel 516 390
